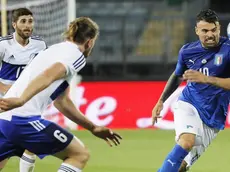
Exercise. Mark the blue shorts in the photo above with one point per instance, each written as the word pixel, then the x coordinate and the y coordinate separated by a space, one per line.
pixel 35 134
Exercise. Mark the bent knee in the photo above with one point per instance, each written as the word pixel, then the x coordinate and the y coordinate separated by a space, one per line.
pixel 81 156
pixel 85 155
pixel 187 141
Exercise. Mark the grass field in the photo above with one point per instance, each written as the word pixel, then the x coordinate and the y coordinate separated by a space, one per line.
pixel 140 151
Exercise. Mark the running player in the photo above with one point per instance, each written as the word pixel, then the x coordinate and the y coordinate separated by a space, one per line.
pixel 44 80
pixel 202 107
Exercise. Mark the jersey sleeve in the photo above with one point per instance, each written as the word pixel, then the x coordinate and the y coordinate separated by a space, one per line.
pixel 180 67
pixel 40 42
pixel 2 52
pixel 44 45
pixel 73 64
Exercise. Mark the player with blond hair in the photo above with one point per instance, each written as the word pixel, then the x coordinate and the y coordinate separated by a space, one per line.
pixel 44 80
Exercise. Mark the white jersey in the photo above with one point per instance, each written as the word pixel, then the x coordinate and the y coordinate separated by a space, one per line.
pixel 14 57
pixel 66 53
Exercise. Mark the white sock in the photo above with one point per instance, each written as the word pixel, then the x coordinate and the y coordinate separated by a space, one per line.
pixel 27 163
pixel 68 168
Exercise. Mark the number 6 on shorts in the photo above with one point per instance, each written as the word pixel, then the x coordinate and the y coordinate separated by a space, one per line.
pixel 60 136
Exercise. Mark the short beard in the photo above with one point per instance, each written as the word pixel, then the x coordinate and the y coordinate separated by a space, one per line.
pixel 21 34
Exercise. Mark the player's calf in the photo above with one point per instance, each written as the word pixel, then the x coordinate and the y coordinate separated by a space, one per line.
pixel 174 159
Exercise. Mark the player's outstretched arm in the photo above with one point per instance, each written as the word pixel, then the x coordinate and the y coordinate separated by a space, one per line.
pixel 39 83
pixel 4 88
pixel 219 82
pixel 196 76
pixel 173 82
pixel 65 105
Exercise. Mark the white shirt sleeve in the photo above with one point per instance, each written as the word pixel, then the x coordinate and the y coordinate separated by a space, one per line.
pixel 73 64
pixel 2 52
pixel 44 45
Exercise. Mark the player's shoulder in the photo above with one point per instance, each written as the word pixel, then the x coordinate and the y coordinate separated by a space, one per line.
pixel 38 41
pixel 71 47
pixel 37 38
pixel 190 46
pixel 224 41
pixel 6 38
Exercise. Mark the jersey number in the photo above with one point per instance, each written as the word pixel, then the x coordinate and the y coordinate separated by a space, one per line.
pixel 60 136
pixel 205 71
pixel 19 71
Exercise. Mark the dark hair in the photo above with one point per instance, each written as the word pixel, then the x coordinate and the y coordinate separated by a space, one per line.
pixel 20 12
pixel 209 16
pixel 81 29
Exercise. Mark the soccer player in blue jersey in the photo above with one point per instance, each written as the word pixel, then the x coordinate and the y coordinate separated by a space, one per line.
pixel 16 51
pixel 201 109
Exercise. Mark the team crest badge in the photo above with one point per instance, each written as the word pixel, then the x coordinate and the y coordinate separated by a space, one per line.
pixel 218 59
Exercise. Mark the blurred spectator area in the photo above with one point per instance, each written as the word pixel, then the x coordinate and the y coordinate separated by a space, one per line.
pixel 135 33
pixel 140 39
pixel 121 26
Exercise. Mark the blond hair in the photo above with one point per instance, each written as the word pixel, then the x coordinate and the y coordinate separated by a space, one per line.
pixel 82 29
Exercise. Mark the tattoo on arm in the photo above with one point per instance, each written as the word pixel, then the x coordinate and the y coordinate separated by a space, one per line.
pixel 173 82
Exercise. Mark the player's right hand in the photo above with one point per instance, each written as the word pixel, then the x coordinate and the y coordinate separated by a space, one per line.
pixel 156 111
pixel 107 135
pixel 10 103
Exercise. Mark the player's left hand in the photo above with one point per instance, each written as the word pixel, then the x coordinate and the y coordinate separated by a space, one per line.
pixel 195 76
pixel 107 135
pixel 9 103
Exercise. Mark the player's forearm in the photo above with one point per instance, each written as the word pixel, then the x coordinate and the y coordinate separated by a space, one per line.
pixel 4 88
pixel 66 107
pixel 173 82
pixel 219 82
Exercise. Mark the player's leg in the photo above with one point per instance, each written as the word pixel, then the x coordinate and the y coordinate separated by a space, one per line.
pixel 187 124
pixel 209 134
pixel 27 162
pixel 192 157
pixel 47 138
pixel 3 163
pixel 7 147
pixel 74 156
pixel 174 159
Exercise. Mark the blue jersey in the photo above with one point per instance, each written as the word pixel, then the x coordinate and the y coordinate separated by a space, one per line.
pixel 210 101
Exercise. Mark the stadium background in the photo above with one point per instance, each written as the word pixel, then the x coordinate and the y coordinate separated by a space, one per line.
pixel 133 57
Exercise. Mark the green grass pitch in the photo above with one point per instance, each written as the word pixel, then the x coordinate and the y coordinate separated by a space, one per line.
pixel 140 151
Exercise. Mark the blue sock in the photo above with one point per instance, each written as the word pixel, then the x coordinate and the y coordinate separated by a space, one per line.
pixel 174 159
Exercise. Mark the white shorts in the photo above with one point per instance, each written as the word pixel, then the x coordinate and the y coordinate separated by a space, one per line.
pixel 187 120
